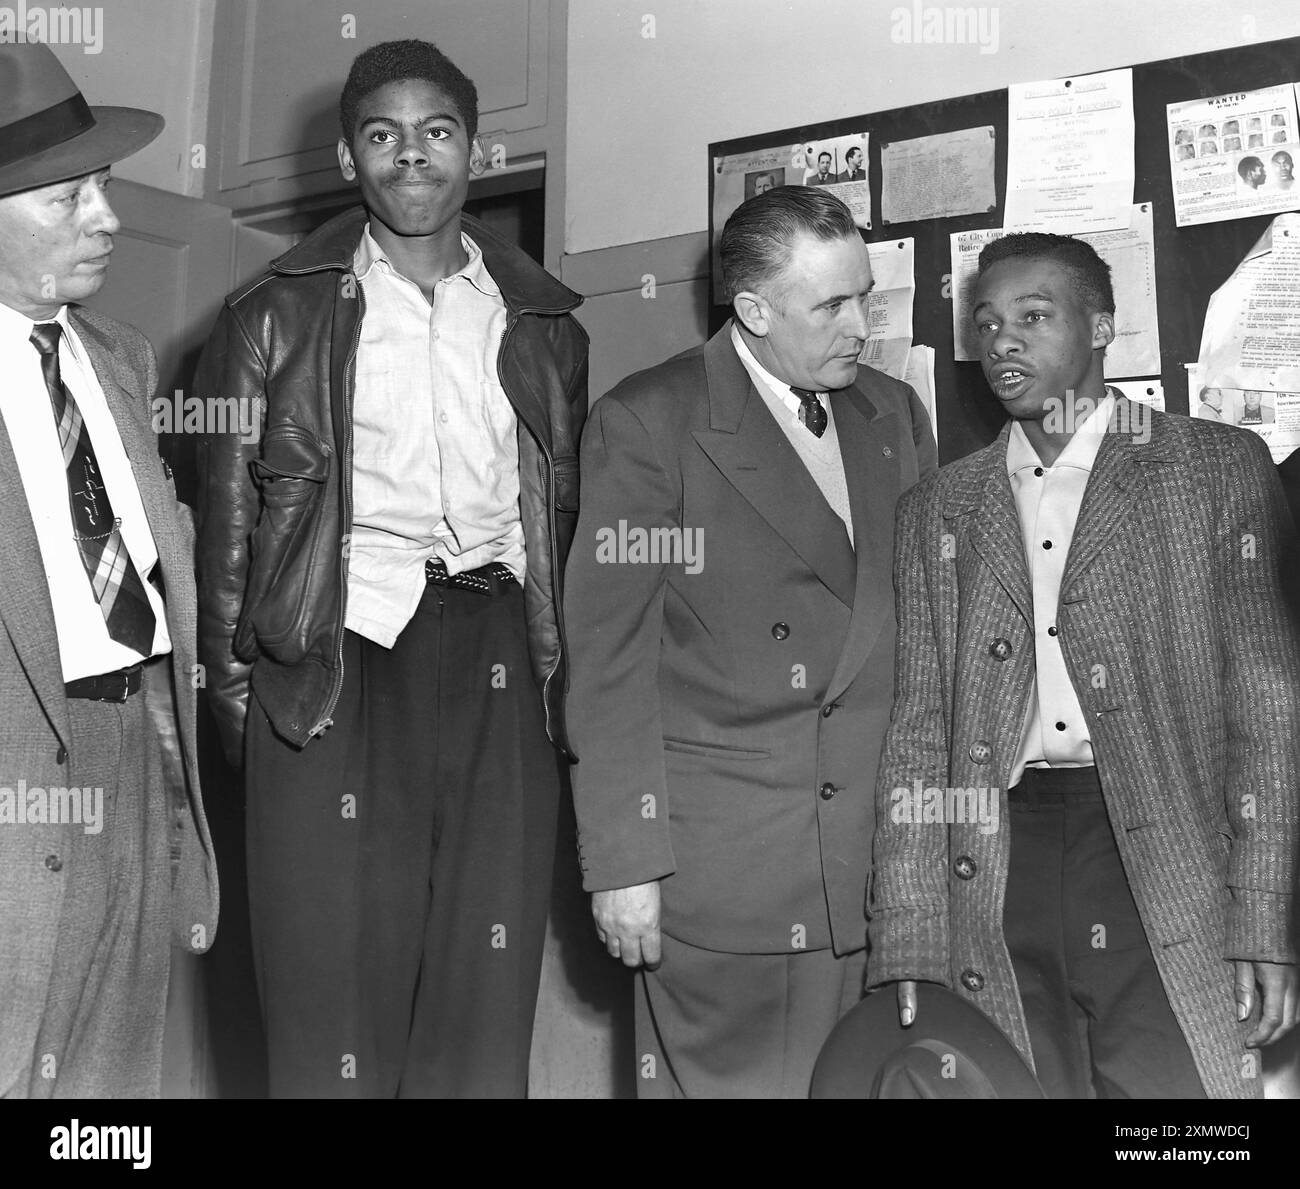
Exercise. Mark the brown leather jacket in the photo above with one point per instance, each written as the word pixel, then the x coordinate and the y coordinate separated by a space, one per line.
pixel 275 502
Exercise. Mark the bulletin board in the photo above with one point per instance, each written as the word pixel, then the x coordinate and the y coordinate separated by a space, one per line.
pixel 1190 262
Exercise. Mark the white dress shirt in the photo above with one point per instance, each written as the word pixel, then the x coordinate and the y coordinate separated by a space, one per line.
pixel 820 455
pixel 435 457
pixel 85 647
pixel 1048 500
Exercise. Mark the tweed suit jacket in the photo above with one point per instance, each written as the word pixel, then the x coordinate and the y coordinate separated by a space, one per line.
pixel 1178 646
pixel 35 737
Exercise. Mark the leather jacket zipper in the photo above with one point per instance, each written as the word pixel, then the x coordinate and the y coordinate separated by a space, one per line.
pixel 336 688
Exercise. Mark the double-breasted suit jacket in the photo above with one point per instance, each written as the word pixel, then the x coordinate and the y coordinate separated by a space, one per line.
pixel 727 704
pixel 1179 650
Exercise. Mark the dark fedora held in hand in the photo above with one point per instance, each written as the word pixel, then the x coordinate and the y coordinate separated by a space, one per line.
pixel 48 132
pixel 952 1051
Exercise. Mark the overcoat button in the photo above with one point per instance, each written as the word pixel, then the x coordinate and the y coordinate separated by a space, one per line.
pixel 980 751
pixel 1000 649
pixel 61 756
pixel 53 862
pixel 828 709
pixel 780 630
pixel 965 867
pixel 827 791
pixel 972 980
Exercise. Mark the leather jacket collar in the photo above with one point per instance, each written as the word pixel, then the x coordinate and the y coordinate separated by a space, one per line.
pixel 525 286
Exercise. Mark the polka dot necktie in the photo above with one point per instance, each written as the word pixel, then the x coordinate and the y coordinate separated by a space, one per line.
pixel 811 412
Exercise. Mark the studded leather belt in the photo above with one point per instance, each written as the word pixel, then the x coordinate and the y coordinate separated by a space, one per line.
pixel 491 579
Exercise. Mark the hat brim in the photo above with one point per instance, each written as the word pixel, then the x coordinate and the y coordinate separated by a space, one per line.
pixel 118 132
pixel 870 1034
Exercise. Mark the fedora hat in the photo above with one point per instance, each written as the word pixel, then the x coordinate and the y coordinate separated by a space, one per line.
pixel 48 133
pixel 952 1050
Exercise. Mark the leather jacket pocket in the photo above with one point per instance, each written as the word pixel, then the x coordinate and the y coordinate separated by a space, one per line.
pixel 291 477
pixel 566 484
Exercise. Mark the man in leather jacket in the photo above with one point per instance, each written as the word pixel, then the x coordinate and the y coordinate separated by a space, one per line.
pixel 380 562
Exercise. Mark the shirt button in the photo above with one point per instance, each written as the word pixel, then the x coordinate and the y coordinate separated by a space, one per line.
pixel 435 336
pixel 1000 649
pixel 827 791
pixel 965 867
pixel 1051 631
pixel 780 631
pixel 61 756
pixel 972 980
pixel 1047 544
pixel 1060 726
pixel 980 751
pixel 53 862
pixel 1038 471
pixel 443 418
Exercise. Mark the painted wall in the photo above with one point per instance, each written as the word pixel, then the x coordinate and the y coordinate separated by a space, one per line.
pixel 155 54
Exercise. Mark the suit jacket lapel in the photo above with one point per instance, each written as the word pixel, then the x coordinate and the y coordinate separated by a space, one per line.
pixel 131 413
pixel 754 455
pixel 871 474
pixel 25 607
pixel 995 528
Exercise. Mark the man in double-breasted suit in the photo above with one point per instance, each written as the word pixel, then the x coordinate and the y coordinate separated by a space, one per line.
pixel 1094 654
pixel 105 858
pixel 731 612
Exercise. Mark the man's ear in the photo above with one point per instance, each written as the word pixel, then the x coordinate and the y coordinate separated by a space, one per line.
pixel 346 164
pixel 477 156
pixel 754 312
pixel 1103 330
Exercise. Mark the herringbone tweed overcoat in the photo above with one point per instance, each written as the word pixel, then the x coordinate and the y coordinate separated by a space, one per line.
pixel 1181 653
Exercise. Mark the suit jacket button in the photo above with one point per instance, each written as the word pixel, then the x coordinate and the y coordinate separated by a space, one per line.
pixel 53 862
pixel 828 709
pixel 828 790
pixel 780 630
pixel 972 980
pixel 980 751
pixel 1000 649
pixel 965 867
pixel 61 756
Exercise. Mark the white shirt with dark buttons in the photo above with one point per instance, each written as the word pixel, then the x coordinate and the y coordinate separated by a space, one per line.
pixel 1048 499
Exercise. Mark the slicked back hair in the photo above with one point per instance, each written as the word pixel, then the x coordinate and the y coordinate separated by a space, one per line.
pixel 397 61
pixel 758 238
pixel 1089 272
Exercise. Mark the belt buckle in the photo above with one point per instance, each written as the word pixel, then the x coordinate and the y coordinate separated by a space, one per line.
pixel 125 677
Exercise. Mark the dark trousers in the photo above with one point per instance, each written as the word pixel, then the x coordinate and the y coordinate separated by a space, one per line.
pixel 1100 1024
pixel 400 865
pixel 716 1025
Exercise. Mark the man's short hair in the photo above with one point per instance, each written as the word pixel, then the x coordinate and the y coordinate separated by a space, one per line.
pixel 824 153
pixel 1089 273
pixel 1280 154
pixel 853 150
pixel 397 61
pixel 758 238
pixel 1248 165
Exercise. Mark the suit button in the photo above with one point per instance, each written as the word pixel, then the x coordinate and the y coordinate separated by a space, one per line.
pixel 965 867
pixel 61 756
pixel 972 980
pixel 1000 649
pixel 780 630
pixel 980 751
pixel 828 790
pixel 828 709
pixel 53 862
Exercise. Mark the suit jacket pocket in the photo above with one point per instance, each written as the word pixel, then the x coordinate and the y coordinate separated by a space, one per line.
pixel 720 751
pixel 291 479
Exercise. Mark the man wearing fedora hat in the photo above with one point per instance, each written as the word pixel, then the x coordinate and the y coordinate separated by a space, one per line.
pixel 104 850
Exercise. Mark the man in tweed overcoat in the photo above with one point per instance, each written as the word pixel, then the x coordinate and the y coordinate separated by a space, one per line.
pixel 1089 616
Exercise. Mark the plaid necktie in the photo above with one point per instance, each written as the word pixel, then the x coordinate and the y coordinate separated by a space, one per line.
pixel 113 578
pixel 811 412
